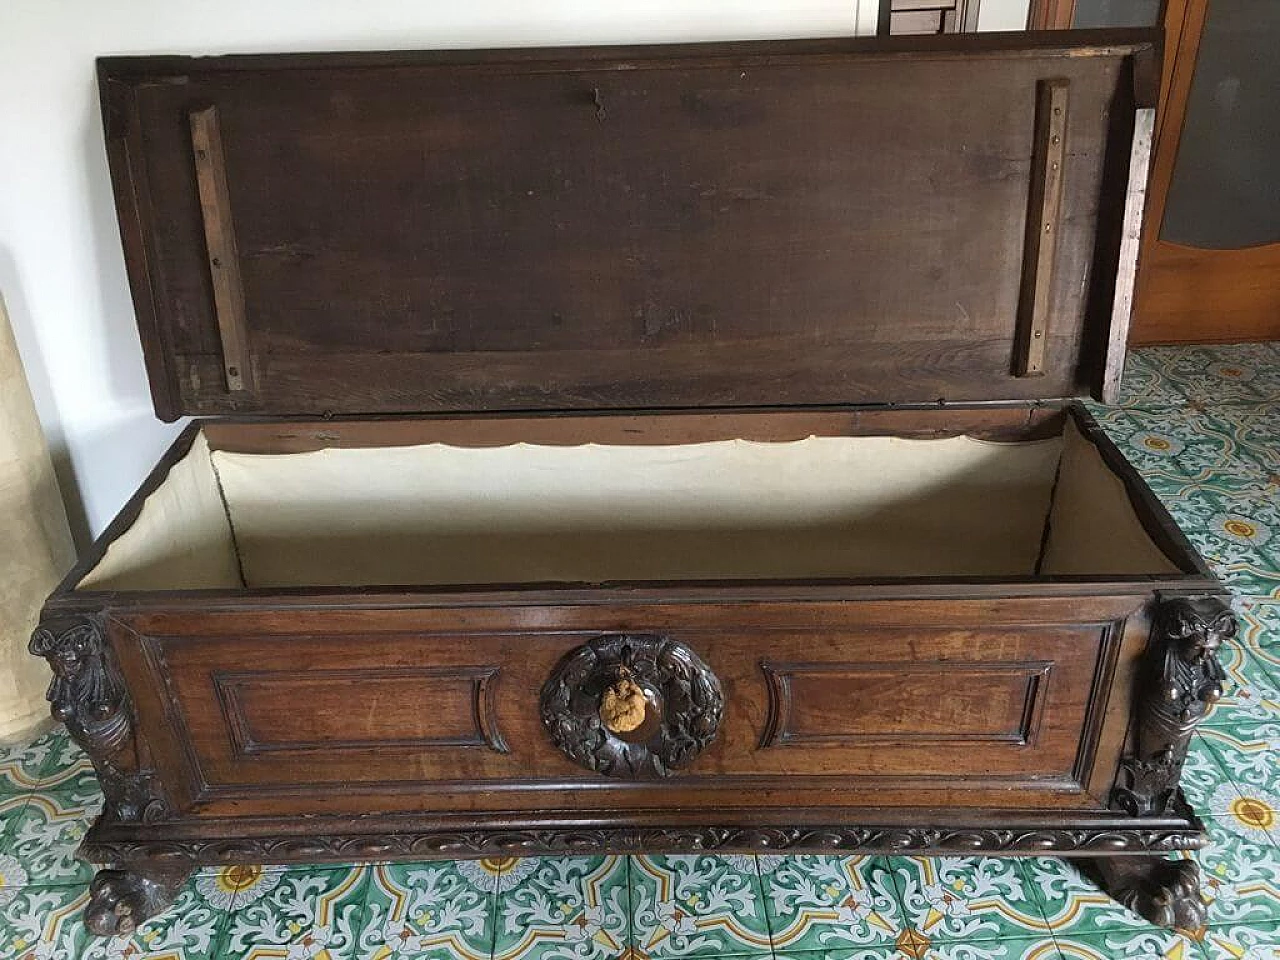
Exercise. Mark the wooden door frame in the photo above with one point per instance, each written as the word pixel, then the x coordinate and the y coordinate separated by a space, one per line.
pixel 1051 14
pixel 1179 288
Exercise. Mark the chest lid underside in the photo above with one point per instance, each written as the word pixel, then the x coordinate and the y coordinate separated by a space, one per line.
pixel 747 224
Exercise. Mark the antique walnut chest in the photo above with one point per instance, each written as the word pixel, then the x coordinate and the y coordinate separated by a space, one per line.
pixel 636 449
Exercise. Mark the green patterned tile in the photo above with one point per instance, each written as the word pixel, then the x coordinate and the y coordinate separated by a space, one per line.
pixel 682 905
pixel 191 929
pixel 1251 695
pixel 1143 384
pixel 829 902
pixel 44 923
pixel 967 898
pixel 11 808
pixel 1235 526
pixel 1072 903
pixel 430 910
pixel 22 765
pixel 1174 447
pixel 1219 374
pixel 1260 632
pixel 297 915
pixel 14 875
pixel 1240 875
pixel 1250 754
pixel 854 953
pixel 569 908
pixel 1147 944
pixel 69 768
pixel 47 834
pixel 1031 948
pixel 1204 776
pixel 1242 943
pixel 1256 432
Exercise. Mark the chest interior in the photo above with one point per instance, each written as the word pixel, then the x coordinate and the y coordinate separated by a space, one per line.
pixel 631 508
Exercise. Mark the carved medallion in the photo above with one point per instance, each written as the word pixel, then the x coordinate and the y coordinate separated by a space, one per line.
pixel 632 706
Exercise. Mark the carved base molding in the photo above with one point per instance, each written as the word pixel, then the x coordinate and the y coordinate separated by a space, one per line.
pixel 121 900
pixel 462 844
pixel 1164 892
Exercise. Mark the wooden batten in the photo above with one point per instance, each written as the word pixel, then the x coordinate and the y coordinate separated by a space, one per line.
pixel 220 241
pixel 1042 227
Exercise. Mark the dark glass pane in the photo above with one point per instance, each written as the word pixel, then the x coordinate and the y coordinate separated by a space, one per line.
pixel 1225 192
pixel 1116 13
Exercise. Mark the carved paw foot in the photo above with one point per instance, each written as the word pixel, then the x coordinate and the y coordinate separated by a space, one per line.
pixel 121 900
pixel 1165 892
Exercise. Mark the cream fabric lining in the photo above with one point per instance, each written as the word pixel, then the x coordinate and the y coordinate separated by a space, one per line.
pixel 181 539
pixel 1092 527
pixel 438 514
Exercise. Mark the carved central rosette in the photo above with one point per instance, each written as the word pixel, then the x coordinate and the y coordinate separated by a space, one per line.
pixel 632 706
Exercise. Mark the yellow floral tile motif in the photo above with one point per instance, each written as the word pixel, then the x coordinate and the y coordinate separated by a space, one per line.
pixel 1147 944
pixel 567 908
pixel 306 915
pixel 686 905
pixel 967 898
pixel 191 930
pixel 829 902
pixel 43 923
pixel 430 910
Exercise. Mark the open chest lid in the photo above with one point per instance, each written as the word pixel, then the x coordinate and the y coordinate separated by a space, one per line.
pixel 746 224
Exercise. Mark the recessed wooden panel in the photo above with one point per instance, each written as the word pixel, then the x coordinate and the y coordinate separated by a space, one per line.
pixel 299 710
pixel 847 703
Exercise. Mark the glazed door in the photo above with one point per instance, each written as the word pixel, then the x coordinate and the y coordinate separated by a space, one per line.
pixel 1210 264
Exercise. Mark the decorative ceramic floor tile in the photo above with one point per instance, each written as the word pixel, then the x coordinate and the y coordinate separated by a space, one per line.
pixel 1226 374
pixel 42 923
pixel 567 908
pixel 436 910
pixel 856 953
pixel 68 769
pixel 1260 632
pixel 296 915
pixel 1240 874
pixel 1043 947
pixel 11 809
pixel 682 905
pixel 1201 423
pixel 191 930
pixel 46 836
pixel 967 898
pixel 1072 904
pixel 1242 943
pixel 1146 944
pixel 22 766
pixel 829 903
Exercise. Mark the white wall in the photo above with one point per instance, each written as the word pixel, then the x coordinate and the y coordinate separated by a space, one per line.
pixel 1003 14
pixel 61 269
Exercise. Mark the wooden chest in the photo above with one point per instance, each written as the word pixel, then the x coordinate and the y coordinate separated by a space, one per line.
pixel 647 449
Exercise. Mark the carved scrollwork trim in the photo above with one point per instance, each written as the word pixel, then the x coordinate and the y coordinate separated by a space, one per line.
pixel 1178 682
pixel 632 706
pixel 497 842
